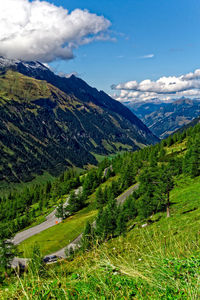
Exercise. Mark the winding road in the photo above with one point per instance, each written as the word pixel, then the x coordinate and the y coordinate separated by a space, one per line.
pixel 51 220
pixel 76 243
pixel 127 193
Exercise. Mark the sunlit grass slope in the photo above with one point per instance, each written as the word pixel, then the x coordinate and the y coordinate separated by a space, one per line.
pixel 159 261
pixel 59 236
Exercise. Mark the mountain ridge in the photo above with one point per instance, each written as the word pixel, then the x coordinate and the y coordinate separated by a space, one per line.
pixel 44 128
pixel 71 85
pixel 163 118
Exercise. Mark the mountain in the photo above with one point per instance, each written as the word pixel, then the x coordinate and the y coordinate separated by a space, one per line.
pixel 142 109
pixel 164 119
pixel 191 124
pixel 50 123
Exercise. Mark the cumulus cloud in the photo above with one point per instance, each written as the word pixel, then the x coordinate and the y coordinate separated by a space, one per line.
pixel 39 30
pixel 165 88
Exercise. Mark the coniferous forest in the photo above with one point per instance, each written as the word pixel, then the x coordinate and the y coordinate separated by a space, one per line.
pixel 155 171
pixel 152 167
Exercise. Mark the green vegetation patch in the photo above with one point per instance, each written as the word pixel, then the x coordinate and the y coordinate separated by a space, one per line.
pixel 159 261
pixel 177 147
pixel 6 187
pixel 16 86
pixel 121 146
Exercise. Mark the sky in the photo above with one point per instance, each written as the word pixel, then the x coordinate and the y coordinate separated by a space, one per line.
pixel 135 50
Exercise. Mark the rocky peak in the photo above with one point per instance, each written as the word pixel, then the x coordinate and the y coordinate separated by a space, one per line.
pixel 31 68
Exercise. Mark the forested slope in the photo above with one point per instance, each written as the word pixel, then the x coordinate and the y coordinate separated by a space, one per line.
pixel 147 248
pixel 45 129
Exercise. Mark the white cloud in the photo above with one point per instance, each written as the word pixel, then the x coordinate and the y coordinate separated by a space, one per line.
pixel 165 88
pixel 68 75
pixel 147 56
pixel 42 31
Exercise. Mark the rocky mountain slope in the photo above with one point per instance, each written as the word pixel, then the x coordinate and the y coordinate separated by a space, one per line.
pixel 49 123
pixel 164 119
pixel 191 124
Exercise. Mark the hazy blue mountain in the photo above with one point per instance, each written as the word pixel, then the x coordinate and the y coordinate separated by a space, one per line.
pixel 165 118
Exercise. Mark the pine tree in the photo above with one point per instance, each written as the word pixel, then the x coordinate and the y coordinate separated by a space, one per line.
pixel 120 224
pixel 7 250
pixel 195 159
pixel 162 153
pixel 99 226
pixel 99 197
pixel 164 186
pixel 88 237
pixel 76 202
pixel 7 253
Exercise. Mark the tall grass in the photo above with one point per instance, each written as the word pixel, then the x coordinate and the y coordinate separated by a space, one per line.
pixel 158 267
pixel 160 261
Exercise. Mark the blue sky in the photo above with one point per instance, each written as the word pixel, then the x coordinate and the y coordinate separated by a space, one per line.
pixel 167 29
pixel 145 49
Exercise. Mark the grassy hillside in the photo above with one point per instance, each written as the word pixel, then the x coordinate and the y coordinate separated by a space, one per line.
pixel 153 256
pixel 159 261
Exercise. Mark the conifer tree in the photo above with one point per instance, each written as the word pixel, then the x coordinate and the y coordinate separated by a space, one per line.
pixel 7 250
pixel 120 224
pixel 99 197
pixel 76 202
pixel 88 237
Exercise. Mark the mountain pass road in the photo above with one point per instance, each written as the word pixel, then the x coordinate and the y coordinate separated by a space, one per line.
pixel 76 243
pixel 51 220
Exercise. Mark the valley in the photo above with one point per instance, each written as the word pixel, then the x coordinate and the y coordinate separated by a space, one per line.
pixel 89 179
pixel 44 125
pixel 150 241
pixel 99 150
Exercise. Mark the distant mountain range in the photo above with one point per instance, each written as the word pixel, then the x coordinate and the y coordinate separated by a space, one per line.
pixel 191 124
pixel 164 118
pixel 49 123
